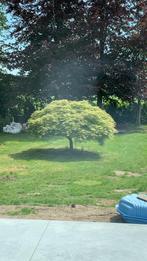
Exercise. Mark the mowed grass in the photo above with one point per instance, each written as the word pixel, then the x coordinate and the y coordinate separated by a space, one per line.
pixel 42 171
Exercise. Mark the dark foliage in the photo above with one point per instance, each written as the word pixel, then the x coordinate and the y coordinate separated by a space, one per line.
pixel 79 49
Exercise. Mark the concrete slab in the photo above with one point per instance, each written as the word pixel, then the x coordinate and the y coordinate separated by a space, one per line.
pixel 19 238
pixel 71 241
pixel 79 241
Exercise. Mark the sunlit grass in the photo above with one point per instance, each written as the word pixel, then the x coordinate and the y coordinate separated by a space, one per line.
pixel 35 171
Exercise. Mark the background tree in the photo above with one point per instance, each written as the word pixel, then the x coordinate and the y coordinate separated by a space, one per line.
pixel 2 27
pixel 78 49
pixel 73 120
pixel 86 35
pixel 4 81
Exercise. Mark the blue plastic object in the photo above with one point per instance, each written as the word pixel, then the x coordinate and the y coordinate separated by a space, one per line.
pixel 132 209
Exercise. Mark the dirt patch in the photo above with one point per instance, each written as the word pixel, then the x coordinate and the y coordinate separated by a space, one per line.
pixel 12 170
pixel 87 182
pixel 120 173
pixel 7 178
pixel 124 191
pixel 133 174
pixel 76 213
pixel 33 194
pixel 105 202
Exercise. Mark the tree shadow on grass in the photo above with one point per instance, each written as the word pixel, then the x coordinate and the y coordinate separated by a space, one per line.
pixel 52 154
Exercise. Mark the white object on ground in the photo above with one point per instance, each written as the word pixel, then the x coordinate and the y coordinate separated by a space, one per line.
pixel 13 128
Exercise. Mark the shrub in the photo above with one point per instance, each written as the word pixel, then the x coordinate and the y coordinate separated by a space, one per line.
pixel 72 119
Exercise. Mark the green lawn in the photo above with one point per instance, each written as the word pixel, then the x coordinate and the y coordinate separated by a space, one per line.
pixel 38 172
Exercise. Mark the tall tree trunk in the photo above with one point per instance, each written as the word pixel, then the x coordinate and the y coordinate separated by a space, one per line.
pixel 103 34
pixel 70 143
pixel 139 109
pixel 101 84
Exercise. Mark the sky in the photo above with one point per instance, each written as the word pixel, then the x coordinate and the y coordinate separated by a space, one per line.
pixel 6 39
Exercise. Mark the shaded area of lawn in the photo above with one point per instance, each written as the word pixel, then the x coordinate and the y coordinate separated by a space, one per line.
pixel 51 154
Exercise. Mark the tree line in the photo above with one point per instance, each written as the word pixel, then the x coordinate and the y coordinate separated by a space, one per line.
pixel 73 49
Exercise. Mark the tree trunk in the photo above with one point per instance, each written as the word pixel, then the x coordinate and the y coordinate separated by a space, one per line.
pixel 139 109
pixel 100 99
pixel 70 143
pixel 103 34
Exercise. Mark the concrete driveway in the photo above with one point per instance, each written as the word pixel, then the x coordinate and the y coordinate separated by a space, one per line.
pixel 35 240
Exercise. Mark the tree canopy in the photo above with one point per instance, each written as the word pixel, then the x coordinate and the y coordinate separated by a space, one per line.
pixel 72 49
pixel 73 120
pixel 76 50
